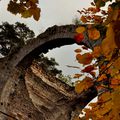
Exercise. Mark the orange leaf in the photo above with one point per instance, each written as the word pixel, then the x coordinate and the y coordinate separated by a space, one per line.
pixel 97 51
pixel 83 85
pixel 102 77
pixel 80 29
pixel 115 81
pixel 99 88
pixel 85 59
pixel 83 19
pixel 93 34
pixel 105 96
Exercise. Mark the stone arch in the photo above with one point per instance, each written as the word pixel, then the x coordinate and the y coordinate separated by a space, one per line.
pixel 55 36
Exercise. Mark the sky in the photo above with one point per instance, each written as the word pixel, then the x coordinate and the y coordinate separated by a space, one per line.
pixel 53 12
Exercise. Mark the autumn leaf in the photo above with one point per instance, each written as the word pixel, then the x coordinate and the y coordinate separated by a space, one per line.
pixel 80 29
pixel 26 8
pixel 97 19
pixel 13 7
pixel 117 63
pixel 85 48
pixel 93 34
pixel 34 1
pixel 117 76
pixel 96 51
pixel 115 81
pixel 36 14
pixel 93 10
pixel 79 37
pixel 116 28
pixel 77 50
pixel 116 103
pixel 102 77
pixel 113 71
pixel 100 88
pixel 26 14
pixel 108 44
pixel 83 19
pixel 83 85
pixel 77 76
pixel 85 59
pixel 88 69
pixel 93 73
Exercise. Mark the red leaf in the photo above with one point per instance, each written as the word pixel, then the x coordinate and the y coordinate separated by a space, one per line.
pixel 88 69
pixel 84 47
pixel 79 37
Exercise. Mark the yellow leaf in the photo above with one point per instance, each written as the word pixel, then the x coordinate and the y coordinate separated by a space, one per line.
pixel 93 34
pixel 104 97
pixel 117 76
pixel 83 85
pixel 108 44
pixel 26 14
pixel 80 29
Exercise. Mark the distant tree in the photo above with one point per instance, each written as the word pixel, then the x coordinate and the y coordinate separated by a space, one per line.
pixel 66 78
pixel 49 65
pixel 13 36
pixel 76 21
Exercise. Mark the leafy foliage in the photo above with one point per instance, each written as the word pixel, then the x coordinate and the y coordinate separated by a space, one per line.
pixel 26 8
pixel 107 53
pixel 13 37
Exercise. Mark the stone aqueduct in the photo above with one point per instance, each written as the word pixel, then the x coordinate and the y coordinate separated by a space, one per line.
pixel 28 93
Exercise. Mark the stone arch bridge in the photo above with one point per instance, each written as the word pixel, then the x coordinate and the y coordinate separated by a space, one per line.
pixel 27 92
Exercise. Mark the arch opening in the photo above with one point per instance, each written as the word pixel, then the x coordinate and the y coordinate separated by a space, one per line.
pixel 27 60
pixel 44 48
